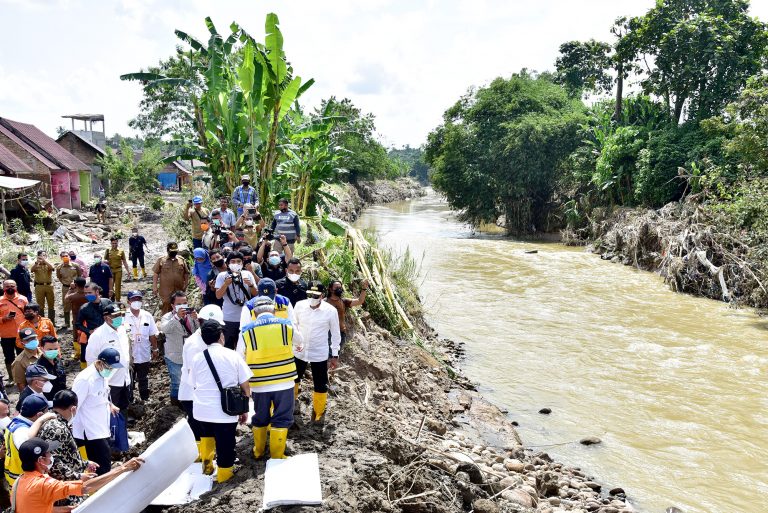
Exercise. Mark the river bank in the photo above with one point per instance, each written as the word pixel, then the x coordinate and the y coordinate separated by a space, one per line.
pixel 354 197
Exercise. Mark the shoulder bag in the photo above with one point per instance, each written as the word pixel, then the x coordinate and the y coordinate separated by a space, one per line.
pixel 233 400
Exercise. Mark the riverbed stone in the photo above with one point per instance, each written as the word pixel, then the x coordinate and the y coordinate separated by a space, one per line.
pixel 546 484
pixel 545 411
pixel 595 486
pixel 485 506
pixel 514 465
pixel 617 491
pixel 519 497
pixel 590 440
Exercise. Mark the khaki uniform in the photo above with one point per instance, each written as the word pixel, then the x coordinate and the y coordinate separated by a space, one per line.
pixel 66 273
pixel 251 237
pixel 114 259
pixel 172 275
pixel 20 364
pixel 44 287
pixel 194 217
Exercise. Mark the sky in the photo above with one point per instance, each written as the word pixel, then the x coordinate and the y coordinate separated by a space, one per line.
pixel 404 61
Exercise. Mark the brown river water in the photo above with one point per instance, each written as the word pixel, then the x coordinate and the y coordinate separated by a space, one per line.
pixel 674 386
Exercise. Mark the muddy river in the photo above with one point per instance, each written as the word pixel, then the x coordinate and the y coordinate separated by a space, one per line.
pixel 674 386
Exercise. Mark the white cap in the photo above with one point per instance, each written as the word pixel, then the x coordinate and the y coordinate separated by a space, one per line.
pixel 211 312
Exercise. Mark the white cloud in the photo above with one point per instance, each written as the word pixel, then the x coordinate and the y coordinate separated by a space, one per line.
pixel 405 61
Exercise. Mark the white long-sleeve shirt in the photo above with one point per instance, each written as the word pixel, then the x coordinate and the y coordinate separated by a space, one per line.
pixel 193 346
pixel 106 336
pixel 313 324
pixel 139 329
pixel 92 417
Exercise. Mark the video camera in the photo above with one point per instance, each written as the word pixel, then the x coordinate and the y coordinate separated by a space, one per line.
pixel 270 234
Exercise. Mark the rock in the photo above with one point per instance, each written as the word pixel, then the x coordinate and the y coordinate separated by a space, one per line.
pixel 485 506
pixel 509 482
pixel 592 506
pixel 497 467
pixel 673 509
pixel 596 487
pixel 609 509
pixel 436 426
pixel 573 483
pixel 555 501
pixel 514 465
pixel 545 411
pixel 617 491
pixel 546 484
pixel 475 476
pixel 590 440
pixel 518 497
pixel 462 476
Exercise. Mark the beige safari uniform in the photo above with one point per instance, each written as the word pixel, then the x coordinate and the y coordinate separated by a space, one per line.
pixel 172 275
pixel 114 258
pixel 44 287
pixel 66 274
pixel 195 217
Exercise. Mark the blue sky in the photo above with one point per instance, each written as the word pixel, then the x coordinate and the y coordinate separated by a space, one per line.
pixel 404 61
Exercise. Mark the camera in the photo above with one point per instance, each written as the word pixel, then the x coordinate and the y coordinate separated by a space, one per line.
pixel 252 211
pixel 236 278
pixel 270 234
pixel 190 310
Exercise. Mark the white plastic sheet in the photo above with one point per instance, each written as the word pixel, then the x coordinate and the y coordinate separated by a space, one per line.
pixel 164 460
pixel 189 486
pixel 295 480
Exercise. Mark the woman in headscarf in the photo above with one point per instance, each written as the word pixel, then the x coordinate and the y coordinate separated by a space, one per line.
pixel 202 268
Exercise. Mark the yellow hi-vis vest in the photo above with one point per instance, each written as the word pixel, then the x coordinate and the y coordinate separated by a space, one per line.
pixel 281 307
pixel 12 461
pixel 269 350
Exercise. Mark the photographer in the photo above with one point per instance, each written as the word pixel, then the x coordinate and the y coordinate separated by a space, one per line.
pixel 217 235
pixel 235 286
pixel 274 265
pixel 251 223
pixel 177 325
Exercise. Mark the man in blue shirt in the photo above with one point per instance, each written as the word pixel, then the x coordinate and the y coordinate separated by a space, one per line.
pixel 101 274
pixel 244 194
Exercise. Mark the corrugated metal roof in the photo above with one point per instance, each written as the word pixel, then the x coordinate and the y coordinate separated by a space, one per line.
pixel 9 182
pixel 44 145
pixel 96 148
pixel 12 163
pixel 31 149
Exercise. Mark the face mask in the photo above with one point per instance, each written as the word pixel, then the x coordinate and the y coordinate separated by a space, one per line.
pixel 52 354
pixel 29 316
pixel 249 223
pixel 173 254
pixel 204 227
pixel 135 233
pixel 314 301
pixel 219 263
pixel 117 322
pixel 10 291
pixel 65 259
pixel 73 257
pixel 24 263
pixel 136 305
pixel 90 297
pixel 96 260
pixel 216 222
pixel 235 268
pixel 47 387
pixel 338 292
pixel 31 344
pixel 294 277
pixel 106 373
pixel 273 260
pixel 245 184
pixel 48 465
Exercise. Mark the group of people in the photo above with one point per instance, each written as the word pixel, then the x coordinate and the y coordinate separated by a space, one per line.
pixel 259 329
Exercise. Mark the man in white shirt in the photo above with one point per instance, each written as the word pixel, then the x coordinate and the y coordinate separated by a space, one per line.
pixel 236 287
pixel 112 334
pixel 90 426
pixel 193 346
pixel 315 318
pixel 142 334
pixel 218 428
pixel 227 216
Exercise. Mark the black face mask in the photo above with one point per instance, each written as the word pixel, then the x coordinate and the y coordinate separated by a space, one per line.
pixel 246 184
pixel 338 292
pixel 10 291
pixel 30 316
pixel 219 263
pixel 173 254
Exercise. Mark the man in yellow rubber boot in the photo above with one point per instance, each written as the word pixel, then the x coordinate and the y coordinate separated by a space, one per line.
pixel 315 319
pixel 267 344
pixel 116 260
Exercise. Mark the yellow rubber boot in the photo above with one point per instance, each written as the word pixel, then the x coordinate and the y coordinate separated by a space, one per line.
pixel 319 400
pixel 224 474
pixel 199 452
pixel 135 273
pixel 83 365
pixel 76 346
pixel 143 273
pixel 82 452
pixel 207 452
pixel 277 439
pixel 295 391
pixel 259 441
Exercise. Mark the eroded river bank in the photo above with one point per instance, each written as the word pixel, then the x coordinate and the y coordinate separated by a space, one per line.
pixel 672 384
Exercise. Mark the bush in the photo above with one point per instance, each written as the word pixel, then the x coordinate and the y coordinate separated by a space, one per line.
pixel 157 203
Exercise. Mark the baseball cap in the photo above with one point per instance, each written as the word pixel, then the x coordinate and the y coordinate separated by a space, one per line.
pixel 135 293
pixel 245 177
pixel 33 405
pixel 32 449
pixel 111 357
pixel 171 246
pixel 27 334
pixel 114 309
pixel 210 331
pixel 197 199
pixel 267 287
pixel 261 304
pixel 211 312
pixel 37 371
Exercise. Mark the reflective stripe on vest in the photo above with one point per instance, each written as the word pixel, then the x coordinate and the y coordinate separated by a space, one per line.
pixel 12 461
pixel 284 225
pixel 269 350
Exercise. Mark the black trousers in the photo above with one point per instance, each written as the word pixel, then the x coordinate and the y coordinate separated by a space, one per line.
pixel 141 379
pixel 121 397
pixel 140 259
pixel 231 332
pixel 10 351
pixel 319 374
pixel 225 441
pixel 98 452
pixel 193 424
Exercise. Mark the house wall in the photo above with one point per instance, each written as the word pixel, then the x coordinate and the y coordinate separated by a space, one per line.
pixel 87 155
pixel 39 170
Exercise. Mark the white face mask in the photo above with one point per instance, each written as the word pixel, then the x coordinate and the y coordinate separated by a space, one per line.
pixel 136 305
pixel 294 277
pixel 235 268
pixel 314 301
pixel 47 387
pixel 249 223
pixel 49 466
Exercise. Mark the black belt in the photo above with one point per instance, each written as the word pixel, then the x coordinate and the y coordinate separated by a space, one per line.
pixel 49 283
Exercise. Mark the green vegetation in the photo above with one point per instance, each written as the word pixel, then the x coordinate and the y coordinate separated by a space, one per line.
pixel 127 171
pixel 527 148
pixel 411 160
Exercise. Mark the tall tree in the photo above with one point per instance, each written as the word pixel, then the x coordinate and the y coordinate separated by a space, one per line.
pixel 582 67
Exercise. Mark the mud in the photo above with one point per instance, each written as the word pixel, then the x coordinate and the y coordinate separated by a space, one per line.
pixel 355 197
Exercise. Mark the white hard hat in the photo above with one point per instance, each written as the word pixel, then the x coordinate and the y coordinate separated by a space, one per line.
pixel 211 312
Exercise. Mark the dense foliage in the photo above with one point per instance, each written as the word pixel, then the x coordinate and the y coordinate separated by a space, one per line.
pixel 128 170
pixel 698 126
